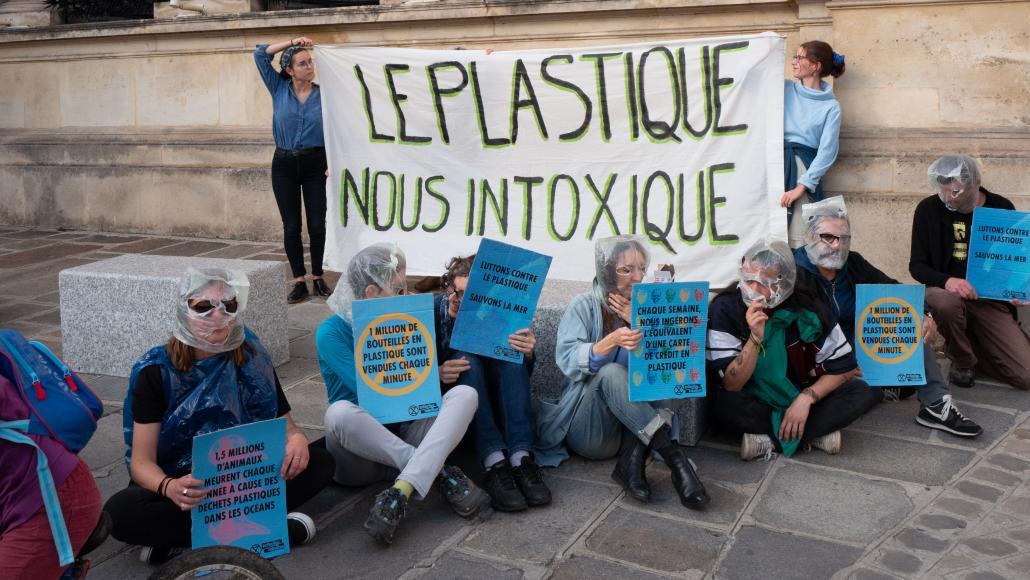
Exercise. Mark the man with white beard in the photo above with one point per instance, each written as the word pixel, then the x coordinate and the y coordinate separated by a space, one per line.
pixel 826 262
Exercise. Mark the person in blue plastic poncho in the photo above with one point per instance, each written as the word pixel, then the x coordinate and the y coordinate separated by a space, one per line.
pixel 412 453
pixel 594 415
pixel 212 374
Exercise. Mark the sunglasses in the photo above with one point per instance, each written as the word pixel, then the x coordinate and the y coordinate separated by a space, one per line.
pixel 628 270
pixel 206 306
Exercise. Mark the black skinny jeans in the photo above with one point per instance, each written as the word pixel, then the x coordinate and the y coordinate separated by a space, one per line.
pixel 141 517
pixel 741 412
pixel 294 177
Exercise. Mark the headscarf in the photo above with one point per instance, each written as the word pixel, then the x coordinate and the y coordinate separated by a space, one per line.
pixel 225 290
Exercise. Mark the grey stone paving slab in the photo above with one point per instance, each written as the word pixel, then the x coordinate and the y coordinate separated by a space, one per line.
pixel 995 476
pixel 908 461
pixel 941 523
pixel 459 566
pixel 107 445
pixel 308 315
pixel 30 234
pixel 655 542
pixel 18 245
pixel 104 333
pixel 107 387
pixel 271 257
pixel 727 501
pixel 901 562
pixel 146 245
pixel 304 347
pixel 991 546
pixel 726 466
pixel 1009 462
pixel 35 287
pixel 916 539
pixel 343 549
pixel 308 402
pixel 578 566
pixel 32 330
pixel 14 310
pixel 43 254
pixel 1017 505
pixel 991 394
pixel 979 491
pixel 960 506
pixel 297 371
pixel 50 318
pixel 898 419
pixel 576 467
pixel 537 534
pixel 870 574
pixel 831 504
pixel 188 248
pixel 110 239
pixel 776 555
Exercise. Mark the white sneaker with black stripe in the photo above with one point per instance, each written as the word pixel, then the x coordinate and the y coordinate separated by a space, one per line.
pixel 300 528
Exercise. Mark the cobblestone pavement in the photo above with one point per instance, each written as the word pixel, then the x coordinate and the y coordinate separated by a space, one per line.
pixel 900 501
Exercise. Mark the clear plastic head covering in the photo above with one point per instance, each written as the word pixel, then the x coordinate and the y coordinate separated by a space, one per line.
pixel 771 264
pixel 607 252
pixel 956 179
pixel 822 218
pixel 225 292
pixel 376 265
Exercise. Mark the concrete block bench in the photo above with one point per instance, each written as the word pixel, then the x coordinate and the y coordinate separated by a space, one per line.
pixel 112 311
pixel 547 380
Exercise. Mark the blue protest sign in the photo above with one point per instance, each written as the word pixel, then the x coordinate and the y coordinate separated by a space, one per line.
pixel 504 286
pixel 889 334
pixel 669 363
pixel 246 497
pixel 395 358
pixel 999 254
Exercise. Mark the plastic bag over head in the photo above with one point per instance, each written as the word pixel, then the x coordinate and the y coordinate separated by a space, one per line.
pixel 828 233
pixel 376 265
pixel 956 179
pixel 617 263
pixel 770 265
pixel 209 312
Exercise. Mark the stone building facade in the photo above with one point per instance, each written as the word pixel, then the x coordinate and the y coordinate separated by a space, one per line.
pixel 163 126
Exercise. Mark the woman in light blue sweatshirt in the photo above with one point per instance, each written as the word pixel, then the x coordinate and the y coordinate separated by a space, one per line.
pixel 811 128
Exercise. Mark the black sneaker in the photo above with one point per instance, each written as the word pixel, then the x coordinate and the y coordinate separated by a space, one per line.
pixel 386 515
pixel 944 416
pixel 298 294
pixel 897 393
pixel 300 528
pixel 527 477
pixel 157 555
pixel 963 378
pixel 504 493
pixel 465 497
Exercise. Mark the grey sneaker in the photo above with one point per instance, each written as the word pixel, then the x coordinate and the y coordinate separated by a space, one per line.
pixel 465 497
pixel 829 443
pixel 386 514
pixel 754 445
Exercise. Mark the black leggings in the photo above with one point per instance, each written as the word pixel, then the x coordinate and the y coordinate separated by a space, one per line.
pixel 741 412
pixel 294 176
pixel 143 518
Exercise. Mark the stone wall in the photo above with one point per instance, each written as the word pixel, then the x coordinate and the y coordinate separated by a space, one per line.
pixel 163 126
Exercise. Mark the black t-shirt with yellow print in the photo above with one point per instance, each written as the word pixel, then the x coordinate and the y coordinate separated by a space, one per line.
pixel 961 225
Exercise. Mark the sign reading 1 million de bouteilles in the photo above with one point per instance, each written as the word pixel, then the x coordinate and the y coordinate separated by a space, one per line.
pixel 550 149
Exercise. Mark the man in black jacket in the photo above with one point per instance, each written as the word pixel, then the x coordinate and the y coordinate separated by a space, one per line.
pixel 982 334
pixel 826 262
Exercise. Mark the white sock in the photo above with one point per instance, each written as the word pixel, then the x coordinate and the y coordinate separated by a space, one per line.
pixel 493 458
pixel 516 458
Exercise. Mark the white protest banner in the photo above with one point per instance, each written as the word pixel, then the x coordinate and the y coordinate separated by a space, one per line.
pixel 550 149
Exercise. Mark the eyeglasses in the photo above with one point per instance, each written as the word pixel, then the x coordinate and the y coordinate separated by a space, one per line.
pixel 629 270
pixel 832 239
pixel 206 306
pixel 798 57
pixel 459 294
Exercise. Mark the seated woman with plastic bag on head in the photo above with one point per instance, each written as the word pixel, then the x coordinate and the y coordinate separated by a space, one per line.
pixel 784 367
pixel 212 374
pixel 411 453
pixel 594 416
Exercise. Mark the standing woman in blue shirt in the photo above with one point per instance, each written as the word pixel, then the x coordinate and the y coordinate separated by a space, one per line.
pixel 811 129
pixel 299 167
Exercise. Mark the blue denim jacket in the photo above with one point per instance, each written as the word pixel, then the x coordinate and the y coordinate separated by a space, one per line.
pixel 295 125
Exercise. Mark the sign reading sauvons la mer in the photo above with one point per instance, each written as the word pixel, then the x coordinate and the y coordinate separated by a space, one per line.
pixel 550 149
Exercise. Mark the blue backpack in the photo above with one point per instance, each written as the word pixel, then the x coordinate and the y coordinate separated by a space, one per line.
pixel 60 406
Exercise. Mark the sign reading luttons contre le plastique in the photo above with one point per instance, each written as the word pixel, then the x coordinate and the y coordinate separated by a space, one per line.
pixel 550 149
